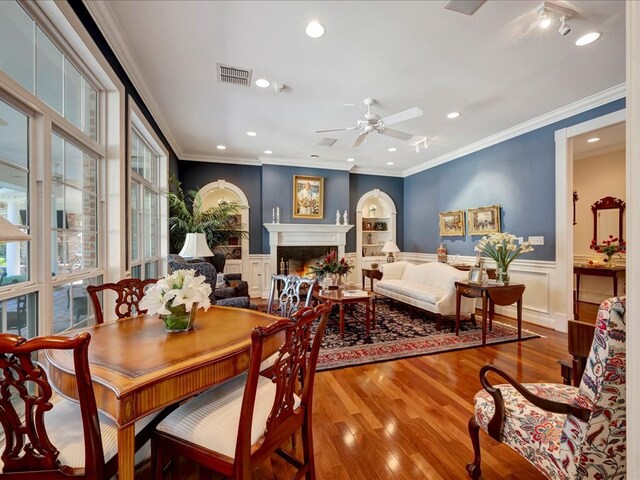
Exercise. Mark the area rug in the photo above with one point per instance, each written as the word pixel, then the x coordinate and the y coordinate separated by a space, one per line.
pixel 396 336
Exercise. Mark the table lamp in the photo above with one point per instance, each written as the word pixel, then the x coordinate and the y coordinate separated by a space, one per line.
pixel 195 245
pixel 10 233
pixel 390 247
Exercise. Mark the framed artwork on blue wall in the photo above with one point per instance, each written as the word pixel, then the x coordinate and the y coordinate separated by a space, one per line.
pixel 484 220
pixel 452 224
pixel 308 197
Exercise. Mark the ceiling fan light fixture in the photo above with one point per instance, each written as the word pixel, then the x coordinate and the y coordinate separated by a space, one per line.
pixel 314 29
pixel 588 38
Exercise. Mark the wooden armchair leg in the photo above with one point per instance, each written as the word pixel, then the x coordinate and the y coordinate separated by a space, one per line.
pixel 474 432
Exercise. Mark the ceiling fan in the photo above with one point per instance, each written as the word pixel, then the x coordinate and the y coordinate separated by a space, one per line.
pixel 375 123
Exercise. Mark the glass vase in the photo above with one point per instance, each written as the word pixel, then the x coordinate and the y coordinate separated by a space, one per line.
pixel 179 320
pixel 502 276
pixel 609 261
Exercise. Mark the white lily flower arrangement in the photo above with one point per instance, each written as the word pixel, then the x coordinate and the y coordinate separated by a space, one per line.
pixel 178 292
pixel 503 248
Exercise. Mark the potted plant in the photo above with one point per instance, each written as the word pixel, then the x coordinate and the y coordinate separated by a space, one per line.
pixel 186 215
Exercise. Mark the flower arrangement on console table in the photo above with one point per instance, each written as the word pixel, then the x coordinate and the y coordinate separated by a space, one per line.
pixel 610 247
pixel 503 248
pixel 176 297
pixel 331 268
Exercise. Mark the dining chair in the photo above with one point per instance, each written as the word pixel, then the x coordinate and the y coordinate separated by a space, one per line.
pixel 45 435
pixel 129 293
pixel 566 432
pixel 287 294
pixel 235 426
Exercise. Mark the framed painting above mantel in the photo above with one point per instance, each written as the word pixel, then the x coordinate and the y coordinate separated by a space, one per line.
pixel 308 197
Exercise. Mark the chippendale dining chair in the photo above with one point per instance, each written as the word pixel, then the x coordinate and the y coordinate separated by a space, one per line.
pixel 47 437
pixel 565 432
pixel 129 290
pixel 235 426
pixel 287 294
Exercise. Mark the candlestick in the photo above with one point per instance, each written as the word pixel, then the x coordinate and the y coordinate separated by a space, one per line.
pixel 277 214
pixel 273 215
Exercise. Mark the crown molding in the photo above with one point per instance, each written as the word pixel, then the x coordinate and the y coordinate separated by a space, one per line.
pixel 596 152
pixel 109 26
pixel 294 162
pixel 218 159
pixel 575 108
pixel 380 172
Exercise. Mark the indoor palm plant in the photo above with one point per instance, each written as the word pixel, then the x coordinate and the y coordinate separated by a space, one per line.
pixel 186 215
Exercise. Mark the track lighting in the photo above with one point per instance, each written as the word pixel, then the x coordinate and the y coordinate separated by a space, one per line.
pixel 423 143
pixel 548 12
pixel 564 28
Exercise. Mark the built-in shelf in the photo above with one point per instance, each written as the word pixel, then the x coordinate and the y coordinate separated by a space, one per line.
pixel 370 239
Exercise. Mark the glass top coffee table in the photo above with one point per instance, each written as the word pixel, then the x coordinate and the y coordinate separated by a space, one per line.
pixel 350 296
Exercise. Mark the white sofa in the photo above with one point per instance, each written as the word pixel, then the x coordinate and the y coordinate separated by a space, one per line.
pixel 429 286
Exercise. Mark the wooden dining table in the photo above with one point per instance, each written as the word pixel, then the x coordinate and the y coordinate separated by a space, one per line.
pixel 137 368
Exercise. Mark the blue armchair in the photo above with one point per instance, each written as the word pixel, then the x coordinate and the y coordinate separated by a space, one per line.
pixel 176 262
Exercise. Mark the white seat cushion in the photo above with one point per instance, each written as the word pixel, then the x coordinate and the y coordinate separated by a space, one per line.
pixel 211 419
pixel 418 291
pixel 64 428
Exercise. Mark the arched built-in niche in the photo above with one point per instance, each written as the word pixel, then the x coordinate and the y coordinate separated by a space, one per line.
pixel 375 224
pixel 212 195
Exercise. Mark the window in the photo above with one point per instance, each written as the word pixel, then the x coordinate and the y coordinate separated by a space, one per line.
pixel 145 208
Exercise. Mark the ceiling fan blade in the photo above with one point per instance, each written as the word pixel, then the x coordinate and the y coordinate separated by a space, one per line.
pixel 359 139
pixel 336 129
pixel 396 134
pixel 414 112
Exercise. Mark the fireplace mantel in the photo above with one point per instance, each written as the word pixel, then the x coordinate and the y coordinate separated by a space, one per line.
pixel 305 234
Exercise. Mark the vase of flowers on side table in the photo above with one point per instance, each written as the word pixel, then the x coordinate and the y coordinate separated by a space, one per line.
pixel 331 267
pixel 610 247
pixel 503 248
pixel 176 298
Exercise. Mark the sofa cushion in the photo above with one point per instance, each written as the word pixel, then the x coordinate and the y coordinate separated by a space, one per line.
pixel 438 275
pixel 419 291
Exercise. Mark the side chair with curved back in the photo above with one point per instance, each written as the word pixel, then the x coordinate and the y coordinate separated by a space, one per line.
pixel 235 426
pixel 285 296
pixel 129 290
pixel 46 436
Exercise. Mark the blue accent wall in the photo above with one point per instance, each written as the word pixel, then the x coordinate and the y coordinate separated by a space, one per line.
pixel 518 174
pixel 361 184
pixel 195 175
pixel 277 191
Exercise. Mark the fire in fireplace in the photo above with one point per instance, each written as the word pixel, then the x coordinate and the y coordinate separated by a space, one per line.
pixel 299 259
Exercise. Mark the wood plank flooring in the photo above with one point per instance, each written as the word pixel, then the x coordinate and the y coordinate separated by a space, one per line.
pixel 407 419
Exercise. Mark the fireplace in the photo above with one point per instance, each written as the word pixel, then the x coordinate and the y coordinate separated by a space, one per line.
pixel 298 260
pixel 323 236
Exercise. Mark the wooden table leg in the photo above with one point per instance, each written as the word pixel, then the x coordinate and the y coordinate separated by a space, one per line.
pixel 520 318
pixel 457 312
pixel 126 452
pixel 342 320
pixel 484 318
pixel 363 281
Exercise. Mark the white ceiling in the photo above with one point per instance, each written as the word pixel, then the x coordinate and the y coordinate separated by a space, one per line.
pixel 612 139
pixel 495 67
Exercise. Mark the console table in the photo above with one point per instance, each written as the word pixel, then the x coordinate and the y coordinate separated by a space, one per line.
pixel 372 274
pixel 611 272
pixel 491 295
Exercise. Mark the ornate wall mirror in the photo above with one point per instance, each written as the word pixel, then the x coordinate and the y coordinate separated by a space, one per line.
pixel 608 219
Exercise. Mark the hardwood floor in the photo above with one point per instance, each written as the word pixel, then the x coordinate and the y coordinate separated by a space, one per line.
pixel 407 419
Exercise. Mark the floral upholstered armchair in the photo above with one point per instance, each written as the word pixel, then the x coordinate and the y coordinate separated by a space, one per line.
pixel 176 262
pixel 566 432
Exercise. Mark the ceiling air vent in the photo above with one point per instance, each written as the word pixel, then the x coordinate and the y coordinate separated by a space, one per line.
pixel 234 75
pixel 327 142
pixel 468 7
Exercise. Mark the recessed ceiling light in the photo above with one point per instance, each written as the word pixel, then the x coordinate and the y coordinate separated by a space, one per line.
pixel 593 139
pixel 263 83
pixel 221 147
pixel 351 159
pixel 314 29
pixel 588 38
pixel 389 163
pixel 252 134
pixel 268 152
pixel 453 115
pixel 392 149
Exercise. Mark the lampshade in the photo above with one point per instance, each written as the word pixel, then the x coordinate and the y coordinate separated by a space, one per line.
pixel 195 245
pixel 390 247
pixel 10 233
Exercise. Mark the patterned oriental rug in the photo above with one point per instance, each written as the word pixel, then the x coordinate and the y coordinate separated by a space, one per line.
pixel 398 336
